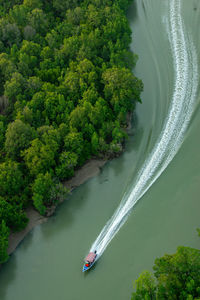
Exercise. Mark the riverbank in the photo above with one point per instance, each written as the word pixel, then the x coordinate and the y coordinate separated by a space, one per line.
pixel 74 100
pixel 89 170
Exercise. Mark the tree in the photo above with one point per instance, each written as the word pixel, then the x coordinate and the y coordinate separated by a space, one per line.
pixel 73 85
pixel 18 14
pixel 91 95
pixel 70 48
pixel 55 106
pixel 11 35
pixel 75 16
pixel 11 179
pixel 61 6
pixel 46 192
pixel 118 134
pixel 40 156
pixel 37 107
pixel 13 215
pixel 32 4
pixel 28 57
pixel 15 86
pixel 67 163
pixel 34 85
pixel 146 287
pixel 78 118
pixel 18 137
pixel 177 277
pixel 30 48
pixel 37 19
pixel 74 142
pixel 42 191
pixel 53 39
pixel 7 67
pixel 122 88
pixel 95 143
pixel 38 204
pixel 178 274
pixel 99 113
pixel 4 233
pixel 2 135
pixel 123 4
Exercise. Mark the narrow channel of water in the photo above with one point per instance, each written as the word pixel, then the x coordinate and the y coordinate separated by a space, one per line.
pixel 47 265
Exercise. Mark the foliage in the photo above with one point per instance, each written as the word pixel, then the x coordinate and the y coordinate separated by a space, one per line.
pixel 2 134
pixel 46 192
pixel 176 276
pixel 66 88
pixel 146 287
pixel 11 179
pixel 18 137
pixel 40 156
pixel 4 233
pixel 13 215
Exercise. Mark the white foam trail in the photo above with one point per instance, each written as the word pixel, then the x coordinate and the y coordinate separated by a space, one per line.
pixel 176 123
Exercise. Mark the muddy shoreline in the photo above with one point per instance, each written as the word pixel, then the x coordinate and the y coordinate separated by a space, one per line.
pixel 89 170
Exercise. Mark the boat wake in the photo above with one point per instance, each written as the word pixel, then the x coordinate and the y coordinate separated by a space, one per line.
pixel 172 134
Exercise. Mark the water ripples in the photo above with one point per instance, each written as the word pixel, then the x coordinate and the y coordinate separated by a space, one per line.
pixel 175 125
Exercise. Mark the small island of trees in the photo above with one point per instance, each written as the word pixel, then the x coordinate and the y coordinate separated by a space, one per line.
pixel 65 90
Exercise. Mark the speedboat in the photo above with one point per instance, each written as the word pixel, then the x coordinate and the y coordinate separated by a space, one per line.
pixel 90 260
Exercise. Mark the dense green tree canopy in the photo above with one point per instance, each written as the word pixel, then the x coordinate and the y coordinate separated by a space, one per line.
pixel 66 88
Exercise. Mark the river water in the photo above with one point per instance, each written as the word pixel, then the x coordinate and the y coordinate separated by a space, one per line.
pixel 47 265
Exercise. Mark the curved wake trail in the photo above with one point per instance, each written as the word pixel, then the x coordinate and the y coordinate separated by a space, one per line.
pixel 176 123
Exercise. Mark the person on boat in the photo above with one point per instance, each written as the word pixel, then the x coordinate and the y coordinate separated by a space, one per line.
pixel 87 264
